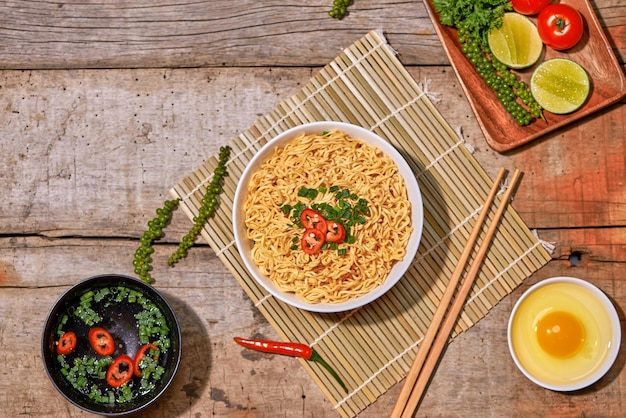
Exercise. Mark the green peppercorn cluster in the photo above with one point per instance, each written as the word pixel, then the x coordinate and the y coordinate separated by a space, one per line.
pixel 501 79
pixel 143 254
pixel 340 9
pixel 154 232
pixel 207 209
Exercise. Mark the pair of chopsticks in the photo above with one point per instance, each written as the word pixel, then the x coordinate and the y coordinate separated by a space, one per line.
pixel 438 333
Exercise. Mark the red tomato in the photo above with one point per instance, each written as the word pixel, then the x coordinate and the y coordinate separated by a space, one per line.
pixel 311 219
pixel 101 341
pixel 529 7
pixel 120 371
pixel 140 355
pixel 336 232
pixel 560 26
pixel 66 343
pixel 312 240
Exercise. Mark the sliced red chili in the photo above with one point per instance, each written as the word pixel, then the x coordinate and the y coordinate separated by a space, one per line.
pixel 140 356
pixel 312 240
pixel 312 219
pixel 66 343
pixel 120 371
pixel 336 232
pixel 101 341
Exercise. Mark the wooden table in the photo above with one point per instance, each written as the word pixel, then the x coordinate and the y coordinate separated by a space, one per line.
pixel 106 105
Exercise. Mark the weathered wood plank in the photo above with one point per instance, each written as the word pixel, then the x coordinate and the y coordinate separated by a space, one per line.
pixel 217 33
pixel 68 170
pixel 86 156
pixel 93 153
pixel 144 34
pixel 219 378
pixel 596 244
pixel 575 177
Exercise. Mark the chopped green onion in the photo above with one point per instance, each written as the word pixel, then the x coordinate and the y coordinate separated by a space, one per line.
pixel 87 296
pixel 88 374
pixel 286 209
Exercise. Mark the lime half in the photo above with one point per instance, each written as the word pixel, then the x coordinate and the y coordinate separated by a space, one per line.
pixel 560 85
pixel 517 43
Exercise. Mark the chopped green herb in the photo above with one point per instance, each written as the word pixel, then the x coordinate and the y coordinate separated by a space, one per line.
pixel 286 209
pixel 348 211
pixel 87 373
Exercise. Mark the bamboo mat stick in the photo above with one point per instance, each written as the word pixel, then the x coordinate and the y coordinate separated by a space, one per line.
pixel 431 332
pixel 443 336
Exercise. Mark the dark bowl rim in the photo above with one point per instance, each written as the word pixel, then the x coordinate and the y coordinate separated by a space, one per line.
pixel 84 283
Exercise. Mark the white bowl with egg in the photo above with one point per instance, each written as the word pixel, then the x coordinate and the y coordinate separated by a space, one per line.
pixel 245 245
pixel 564 334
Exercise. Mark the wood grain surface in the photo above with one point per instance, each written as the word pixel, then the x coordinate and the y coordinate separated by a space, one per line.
pixel 105 105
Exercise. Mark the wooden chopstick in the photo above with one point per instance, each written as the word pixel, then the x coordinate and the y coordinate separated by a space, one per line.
pixel 428 354
pixel 444 334
pixel 431 332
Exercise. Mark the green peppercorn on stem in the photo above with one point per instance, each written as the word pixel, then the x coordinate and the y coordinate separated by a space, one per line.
pixel 207 209
pixel 340 9
pixel 142 260
pixel 501 79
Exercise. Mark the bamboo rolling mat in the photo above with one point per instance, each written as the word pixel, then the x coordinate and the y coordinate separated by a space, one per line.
pixel 372 347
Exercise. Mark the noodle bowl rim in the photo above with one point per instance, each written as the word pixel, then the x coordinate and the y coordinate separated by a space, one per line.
pixel 413 193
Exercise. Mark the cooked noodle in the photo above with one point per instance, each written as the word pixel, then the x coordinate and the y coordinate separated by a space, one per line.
pixel 326 160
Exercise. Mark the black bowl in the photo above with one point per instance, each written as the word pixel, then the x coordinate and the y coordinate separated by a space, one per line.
pixel 118 317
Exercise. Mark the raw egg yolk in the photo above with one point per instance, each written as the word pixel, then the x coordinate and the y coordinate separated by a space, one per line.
pixel 560 334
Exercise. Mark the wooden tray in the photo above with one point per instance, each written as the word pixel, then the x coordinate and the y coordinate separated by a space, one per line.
pixel 502 133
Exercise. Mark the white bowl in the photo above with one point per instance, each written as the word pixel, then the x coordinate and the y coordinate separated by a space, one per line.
pixel 244 245
pixel 596 314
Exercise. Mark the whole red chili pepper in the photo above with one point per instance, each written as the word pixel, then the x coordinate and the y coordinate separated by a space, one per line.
pixel 289 349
